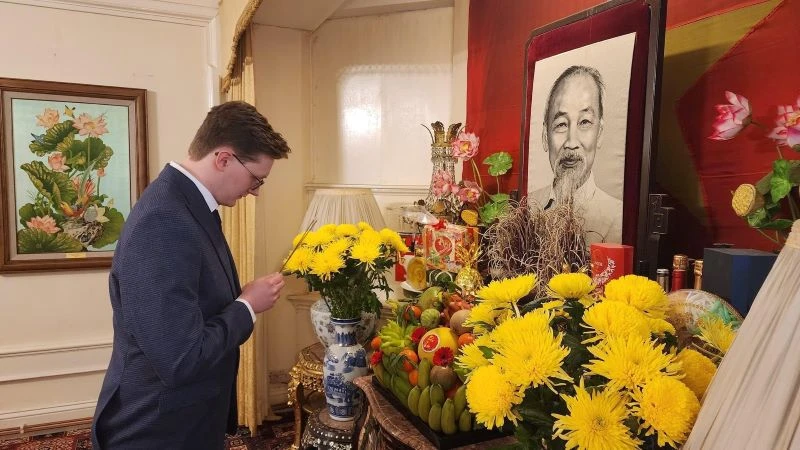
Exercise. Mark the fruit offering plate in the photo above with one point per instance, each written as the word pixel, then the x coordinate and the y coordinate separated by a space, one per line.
pixel 439 440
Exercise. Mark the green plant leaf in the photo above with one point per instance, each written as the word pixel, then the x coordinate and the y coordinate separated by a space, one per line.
pixel 31 240
pixel 499 163
pixel 779 187
pixel 780 168
pixel 779 224
pixel 757 218
pixel 56 186
pixel 500 198
pixel 490 212
pixel 29 211
pixel 52 138
pixel 91 152
pixel 111 229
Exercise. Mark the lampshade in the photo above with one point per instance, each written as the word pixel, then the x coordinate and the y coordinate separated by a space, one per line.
pixel 343 206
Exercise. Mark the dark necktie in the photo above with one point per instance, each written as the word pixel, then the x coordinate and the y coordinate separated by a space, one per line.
pixel 215 213
pixel 218 219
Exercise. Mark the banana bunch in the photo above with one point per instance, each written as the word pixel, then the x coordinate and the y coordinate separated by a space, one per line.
pixel 395 337
pixel 442 414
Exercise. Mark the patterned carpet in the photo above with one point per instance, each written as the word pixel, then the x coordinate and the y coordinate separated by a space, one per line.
pixel 270 436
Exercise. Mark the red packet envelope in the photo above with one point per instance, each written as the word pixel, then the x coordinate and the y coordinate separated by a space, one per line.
pixel 610 261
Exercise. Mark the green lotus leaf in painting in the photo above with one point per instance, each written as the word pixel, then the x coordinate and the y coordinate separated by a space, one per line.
pixel 91 153
pixel 31 240
pixel 47 143
pixel 56 186
pixel 111 229
pixel 29 211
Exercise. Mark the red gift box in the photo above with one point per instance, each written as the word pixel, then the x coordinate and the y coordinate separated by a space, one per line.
pixel 610 261
pixel 439 243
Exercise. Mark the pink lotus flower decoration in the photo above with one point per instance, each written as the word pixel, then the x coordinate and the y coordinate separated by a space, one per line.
pixel 46 224
pixel 470 193
pixel 87 125
pixel 787 131
pixel 443 184
pixel 57 162
pixel 731 118
pixel 48 118
pixel 465 146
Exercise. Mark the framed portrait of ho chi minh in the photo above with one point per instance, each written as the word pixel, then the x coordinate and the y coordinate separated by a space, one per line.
pixel 590 95
pixel 74 160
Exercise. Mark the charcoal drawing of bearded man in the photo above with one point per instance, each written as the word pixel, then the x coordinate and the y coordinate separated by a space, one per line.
pixel 572 136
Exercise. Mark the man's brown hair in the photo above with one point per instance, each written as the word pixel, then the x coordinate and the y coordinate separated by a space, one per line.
pixel 240 126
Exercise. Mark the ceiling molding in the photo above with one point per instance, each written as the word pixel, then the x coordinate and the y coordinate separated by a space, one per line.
pixel 189 12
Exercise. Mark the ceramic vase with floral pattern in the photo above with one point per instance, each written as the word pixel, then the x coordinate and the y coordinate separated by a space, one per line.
pixel 345 360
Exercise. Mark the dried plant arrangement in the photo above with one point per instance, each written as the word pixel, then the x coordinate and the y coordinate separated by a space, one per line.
pixel 528 239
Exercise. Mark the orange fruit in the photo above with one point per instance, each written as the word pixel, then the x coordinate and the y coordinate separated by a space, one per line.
pixel 413 309
pixel 410 359
pixel 375 344
pixel 413 377
pixel 466 338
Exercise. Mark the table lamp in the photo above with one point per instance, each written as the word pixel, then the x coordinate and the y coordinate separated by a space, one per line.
pixel 346 205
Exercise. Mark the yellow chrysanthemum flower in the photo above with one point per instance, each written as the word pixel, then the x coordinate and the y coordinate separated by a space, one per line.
pixel 318 238
pixel 630 363
pixel 528 351
pixel 660 327
pixel 471 358
pixel 325 264
pixel 482 318
pixel 553 305
pixel 346 230
pixel 492 397
pixel 572 286
pixel 507 291
pixel 716 333
pixel 297 238
pixel 615 319
pixel 667 407
pixel 595 421
pixel 328 228
pixel 698 370
pixel 365 252
pixel 371 237
pixel 364 226
pixel 393 240
pixel 338 246
pixel 484 340
pixel 640 292
pixel 300 261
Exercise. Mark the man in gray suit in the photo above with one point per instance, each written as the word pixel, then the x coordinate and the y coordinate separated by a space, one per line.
pixel 572 134
pixel 179 312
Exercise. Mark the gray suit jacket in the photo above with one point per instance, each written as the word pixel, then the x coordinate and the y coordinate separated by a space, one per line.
pixel 171 382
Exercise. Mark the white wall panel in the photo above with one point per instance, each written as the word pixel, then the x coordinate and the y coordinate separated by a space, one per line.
pixel 375 79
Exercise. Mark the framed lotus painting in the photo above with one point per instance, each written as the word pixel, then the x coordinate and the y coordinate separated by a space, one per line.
pixel 74 160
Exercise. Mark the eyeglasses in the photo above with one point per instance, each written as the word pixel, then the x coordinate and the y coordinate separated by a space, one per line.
pixel 258 181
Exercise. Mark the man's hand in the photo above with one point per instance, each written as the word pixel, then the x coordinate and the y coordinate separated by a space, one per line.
pixel 262 293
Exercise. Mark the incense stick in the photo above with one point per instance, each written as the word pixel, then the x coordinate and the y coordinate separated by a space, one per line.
pixel 299 243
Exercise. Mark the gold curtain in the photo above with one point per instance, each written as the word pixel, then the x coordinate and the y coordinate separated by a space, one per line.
pixel 234 18
pixel 238 224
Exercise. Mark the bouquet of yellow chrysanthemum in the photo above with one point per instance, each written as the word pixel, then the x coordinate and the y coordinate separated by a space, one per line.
pixel 583 371
pixel 346 263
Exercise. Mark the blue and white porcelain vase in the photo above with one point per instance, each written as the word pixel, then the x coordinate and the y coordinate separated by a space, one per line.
pixel 321 321
pixel 345 360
